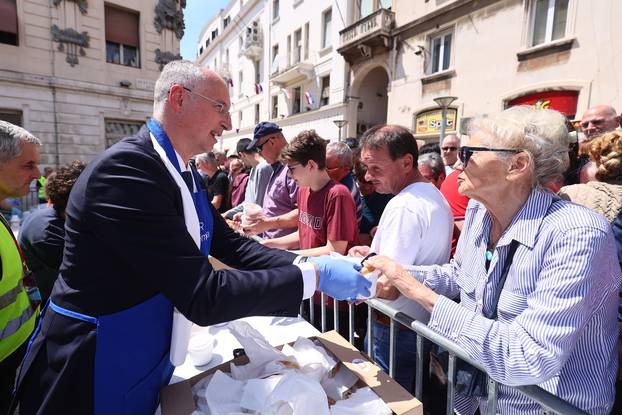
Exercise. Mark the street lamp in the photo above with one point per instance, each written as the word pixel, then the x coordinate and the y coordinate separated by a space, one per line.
pixel 444 102
pixel 340 124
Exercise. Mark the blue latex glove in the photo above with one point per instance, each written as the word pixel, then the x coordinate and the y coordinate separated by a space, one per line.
pixel 340 279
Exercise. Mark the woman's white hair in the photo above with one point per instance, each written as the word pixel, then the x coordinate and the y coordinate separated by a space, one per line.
pixel 181 72
pixel 542 133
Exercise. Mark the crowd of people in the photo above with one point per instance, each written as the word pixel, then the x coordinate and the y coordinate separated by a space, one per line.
pixel 507 240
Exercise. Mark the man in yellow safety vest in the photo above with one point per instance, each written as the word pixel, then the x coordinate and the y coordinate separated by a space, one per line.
pixel 19 160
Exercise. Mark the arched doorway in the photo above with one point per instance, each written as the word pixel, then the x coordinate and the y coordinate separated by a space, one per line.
pixel 371 106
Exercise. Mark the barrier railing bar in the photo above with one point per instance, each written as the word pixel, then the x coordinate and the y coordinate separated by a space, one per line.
pixel 451 382
pixel 392 347
pixel 323 311
pixel 370 332
pixel 336 315
pixel 534 392
pixel 351 322
pixel 419 369
pixel 493 389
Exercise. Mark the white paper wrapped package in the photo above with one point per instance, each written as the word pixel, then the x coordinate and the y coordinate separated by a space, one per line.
pixel 297 394
pixel 371 276
pixel 362 402
pixel 224 394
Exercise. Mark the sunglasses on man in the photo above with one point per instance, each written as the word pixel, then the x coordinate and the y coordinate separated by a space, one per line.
pixel 466 152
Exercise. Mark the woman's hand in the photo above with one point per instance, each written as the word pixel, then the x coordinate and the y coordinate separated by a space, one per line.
pixel 399 278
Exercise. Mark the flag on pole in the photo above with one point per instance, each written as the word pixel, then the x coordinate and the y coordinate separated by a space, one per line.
pixel 229 81
pixel 258 89
pixel 309 97
pixel 286 93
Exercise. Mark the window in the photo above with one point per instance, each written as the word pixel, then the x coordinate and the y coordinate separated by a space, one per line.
pixel 441 52
pixel 12 116
pixel 240 80
pixel 201 50
pixel 274 68
pixel 117 129
pixel 548 20
pixel 207 43
pixel 307 40
pixel 367 7
pixel 8 22
pixel 257 72
pixel 239 119
pixel 227 56
pixel 122 37
pixel 225 22
pixel 214 34
pixel 215 64
pixel 296 104
pixel 297 45
pixel 256 114
pixel 327 18
pixel 274 113
pixel 241 42
pixel 275 9
pixel 289 50
pixel 325 90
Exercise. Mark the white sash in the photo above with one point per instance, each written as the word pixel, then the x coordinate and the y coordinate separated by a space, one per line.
pixel 182 327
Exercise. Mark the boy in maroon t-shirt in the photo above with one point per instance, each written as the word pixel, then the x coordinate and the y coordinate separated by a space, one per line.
pixel 327 220
pixel 327 214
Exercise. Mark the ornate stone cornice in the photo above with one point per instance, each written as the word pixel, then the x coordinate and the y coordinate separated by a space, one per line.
pixel 70 40
pixel 169 16
pixel 165 57
pixel 83 5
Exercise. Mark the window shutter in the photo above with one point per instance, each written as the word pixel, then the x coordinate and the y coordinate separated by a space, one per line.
pixel 122 26
pixel 8 16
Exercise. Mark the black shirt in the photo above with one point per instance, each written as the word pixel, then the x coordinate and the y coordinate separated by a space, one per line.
pixel 218 184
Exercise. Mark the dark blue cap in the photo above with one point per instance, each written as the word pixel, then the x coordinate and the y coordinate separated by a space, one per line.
pixel 263 129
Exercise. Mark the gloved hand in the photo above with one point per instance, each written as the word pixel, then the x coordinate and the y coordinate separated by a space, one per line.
pixel 340 279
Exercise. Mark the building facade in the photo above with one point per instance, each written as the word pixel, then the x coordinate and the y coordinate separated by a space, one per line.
pixel 280 59
pixel 79 74
pixel 489 54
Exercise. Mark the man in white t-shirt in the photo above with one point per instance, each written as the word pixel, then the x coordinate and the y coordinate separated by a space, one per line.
pixel 415 228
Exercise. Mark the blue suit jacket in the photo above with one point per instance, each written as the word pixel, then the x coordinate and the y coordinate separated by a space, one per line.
pixel 126 242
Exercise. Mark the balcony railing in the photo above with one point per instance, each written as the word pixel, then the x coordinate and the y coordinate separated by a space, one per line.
pixel 379 22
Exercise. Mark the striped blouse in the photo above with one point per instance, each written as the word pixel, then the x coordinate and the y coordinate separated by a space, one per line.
pixel 557 313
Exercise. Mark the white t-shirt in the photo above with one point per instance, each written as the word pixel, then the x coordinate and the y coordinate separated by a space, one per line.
pixel 415 229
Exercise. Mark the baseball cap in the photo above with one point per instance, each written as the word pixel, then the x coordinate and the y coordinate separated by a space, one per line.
pixel 263 129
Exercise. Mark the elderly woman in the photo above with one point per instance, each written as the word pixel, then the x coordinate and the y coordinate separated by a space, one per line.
pixel 537 276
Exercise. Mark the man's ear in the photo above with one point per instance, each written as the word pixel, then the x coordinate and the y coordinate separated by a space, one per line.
pixel 407 161
pixel 176 97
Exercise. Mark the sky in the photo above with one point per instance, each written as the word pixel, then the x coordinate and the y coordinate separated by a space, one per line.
pixel 196 14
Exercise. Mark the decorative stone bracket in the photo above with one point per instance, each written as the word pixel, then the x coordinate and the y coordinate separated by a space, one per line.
pixel 165 57
pixel 82 4
pixel 70 40
pixel 169 16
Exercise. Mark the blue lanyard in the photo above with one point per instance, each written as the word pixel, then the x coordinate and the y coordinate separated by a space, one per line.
pixel 201 203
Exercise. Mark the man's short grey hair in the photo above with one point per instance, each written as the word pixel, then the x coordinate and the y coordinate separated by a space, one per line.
pixel 342 151
pixel 542 133
pixel 11 137
pixel 434 162
pixel 208 158
pixel 181 72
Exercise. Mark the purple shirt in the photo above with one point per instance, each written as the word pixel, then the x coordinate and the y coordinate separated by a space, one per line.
pixel 280 198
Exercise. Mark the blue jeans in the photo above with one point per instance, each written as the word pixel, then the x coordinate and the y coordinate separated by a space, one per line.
pixel 405 353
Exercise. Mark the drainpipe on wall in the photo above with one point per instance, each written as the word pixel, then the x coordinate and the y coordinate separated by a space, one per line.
pixel 51 83
pixel 393 66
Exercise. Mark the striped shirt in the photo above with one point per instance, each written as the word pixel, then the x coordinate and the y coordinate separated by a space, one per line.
pixel 557 313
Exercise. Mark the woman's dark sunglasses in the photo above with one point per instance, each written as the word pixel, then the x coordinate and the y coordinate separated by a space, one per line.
pixel 465 152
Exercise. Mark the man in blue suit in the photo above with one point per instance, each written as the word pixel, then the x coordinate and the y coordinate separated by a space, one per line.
pixel 138 232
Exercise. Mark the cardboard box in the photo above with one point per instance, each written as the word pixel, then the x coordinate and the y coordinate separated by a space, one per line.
pixel 176 399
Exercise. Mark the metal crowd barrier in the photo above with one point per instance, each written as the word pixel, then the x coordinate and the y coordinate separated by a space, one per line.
pixel 550 403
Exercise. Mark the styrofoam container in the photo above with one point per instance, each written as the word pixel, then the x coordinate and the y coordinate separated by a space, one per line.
pixel 200 349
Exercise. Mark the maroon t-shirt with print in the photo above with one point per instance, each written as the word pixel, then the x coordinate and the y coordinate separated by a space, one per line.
pixel 328 214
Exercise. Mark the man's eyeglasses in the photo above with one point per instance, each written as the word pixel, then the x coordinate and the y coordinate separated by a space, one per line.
pixel 466 152
pixel 449 148
pixel 259 147
pixel 220 107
